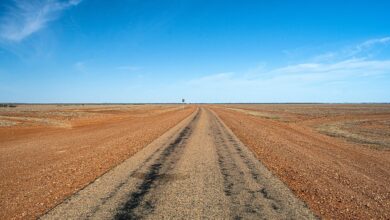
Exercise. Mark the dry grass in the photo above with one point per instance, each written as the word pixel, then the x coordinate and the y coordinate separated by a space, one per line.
pixel 66 116
pixel 256 113
pixel 377 136
pixel 364 124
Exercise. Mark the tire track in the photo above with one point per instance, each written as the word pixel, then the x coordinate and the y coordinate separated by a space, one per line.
pixel 139 205
pixel 243 182
pixel 126 193
pixel 243 203
pixel 201 170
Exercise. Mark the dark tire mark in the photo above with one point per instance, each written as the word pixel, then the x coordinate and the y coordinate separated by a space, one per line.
pixel 244 199
pixel 242 188
pixel 136 173
pixel 138 205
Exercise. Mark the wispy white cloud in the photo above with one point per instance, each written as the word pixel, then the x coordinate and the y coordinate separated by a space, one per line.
pixel 362 50
pixel 309 81
pixel 372 42
pixel 315 69
pixel 24 18
pixel 304 73
pixel 366 47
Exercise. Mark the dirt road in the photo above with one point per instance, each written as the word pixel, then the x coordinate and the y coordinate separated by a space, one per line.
pixel 198 169
pixel 41 165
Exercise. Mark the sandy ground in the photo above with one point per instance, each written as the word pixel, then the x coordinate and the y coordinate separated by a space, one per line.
pixel 363 124
pixel 43 162
pixel 335 158
pixel 197 170
pixel 337 177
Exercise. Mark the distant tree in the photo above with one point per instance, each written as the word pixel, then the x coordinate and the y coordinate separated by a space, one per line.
pixel 183 100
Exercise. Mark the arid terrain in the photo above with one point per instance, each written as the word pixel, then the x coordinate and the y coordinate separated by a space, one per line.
pixel 48 152
pixel 334 157
pixel 199 170
pixel 252 161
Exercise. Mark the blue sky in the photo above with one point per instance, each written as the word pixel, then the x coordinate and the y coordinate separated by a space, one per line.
pixel 204 51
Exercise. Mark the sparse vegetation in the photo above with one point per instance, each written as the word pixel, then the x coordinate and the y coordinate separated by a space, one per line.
pixel 326 153
pixel 7 105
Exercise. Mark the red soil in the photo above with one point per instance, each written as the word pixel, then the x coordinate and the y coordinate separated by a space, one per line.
pixel 42 165
pixel 336 178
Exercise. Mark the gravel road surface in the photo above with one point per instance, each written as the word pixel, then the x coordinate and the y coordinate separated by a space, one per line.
pixel 196 170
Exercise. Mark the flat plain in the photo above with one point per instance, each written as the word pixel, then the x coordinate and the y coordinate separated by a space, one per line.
pixel 299 161
pixel 334 157
pixel 49 152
